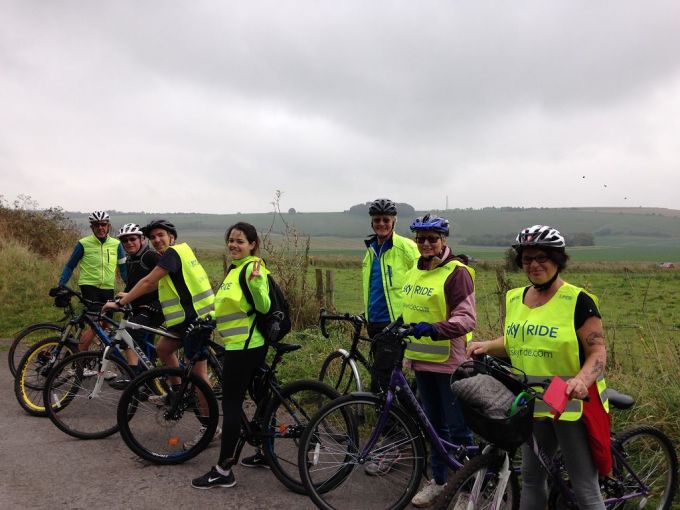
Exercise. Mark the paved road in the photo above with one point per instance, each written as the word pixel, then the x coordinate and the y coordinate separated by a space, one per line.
pixel 41 468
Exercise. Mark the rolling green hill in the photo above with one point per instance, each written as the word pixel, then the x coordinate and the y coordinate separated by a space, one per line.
pixel 642 234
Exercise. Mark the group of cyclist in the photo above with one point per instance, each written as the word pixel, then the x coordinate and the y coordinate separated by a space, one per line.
pixel 552 328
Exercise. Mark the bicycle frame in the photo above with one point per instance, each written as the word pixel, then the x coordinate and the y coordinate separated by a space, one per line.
pixel 397 380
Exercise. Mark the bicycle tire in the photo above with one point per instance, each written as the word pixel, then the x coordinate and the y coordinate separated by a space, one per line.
pixel 156 427
pixel 331 469
pixel 337 371
pixel 474 486
pixel 26 338
pixel 85 406
pixel 285 419
pixel 33 370
pixel 651 455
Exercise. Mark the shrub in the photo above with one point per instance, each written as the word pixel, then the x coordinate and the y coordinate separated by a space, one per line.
pixel 44 231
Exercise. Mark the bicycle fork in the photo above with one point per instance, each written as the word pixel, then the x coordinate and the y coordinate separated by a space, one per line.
pixel 100 374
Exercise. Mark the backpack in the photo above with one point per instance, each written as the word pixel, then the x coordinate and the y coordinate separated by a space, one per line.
pixel 275 324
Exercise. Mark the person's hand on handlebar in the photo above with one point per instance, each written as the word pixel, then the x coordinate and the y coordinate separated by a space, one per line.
pixel 476 349
pixel 116 304
pixel 423 329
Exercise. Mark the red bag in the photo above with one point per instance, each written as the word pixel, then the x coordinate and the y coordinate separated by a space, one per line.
pixel 598 426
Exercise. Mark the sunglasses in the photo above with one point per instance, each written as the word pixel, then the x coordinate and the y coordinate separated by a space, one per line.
pixel 541 259
pixel 429 239
pixel 129 239
pixel 100 224
pixel 386 219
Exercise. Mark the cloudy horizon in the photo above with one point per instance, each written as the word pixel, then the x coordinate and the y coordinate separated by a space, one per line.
pixel 210 107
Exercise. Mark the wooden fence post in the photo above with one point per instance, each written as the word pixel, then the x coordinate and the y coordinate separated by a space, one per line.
pixel 319 286
pixel 330 290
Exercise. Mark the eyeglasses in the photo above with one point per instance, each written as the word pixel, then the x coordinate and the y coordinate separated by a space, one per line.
pixel 129 239
pixel 541 259
pixel 381 219
pixel 100 224
pixel 429 239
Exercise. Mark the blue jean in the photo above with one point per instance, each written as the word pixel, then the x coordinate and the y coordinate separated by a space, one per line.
pixel 445 414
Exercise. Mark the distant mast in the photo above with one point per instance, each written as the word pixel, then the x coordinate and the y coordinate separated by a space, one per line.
pixel 447 202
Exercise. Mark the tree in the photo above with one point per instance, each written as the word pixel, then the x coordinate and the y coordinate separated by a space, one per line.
pixel 292 210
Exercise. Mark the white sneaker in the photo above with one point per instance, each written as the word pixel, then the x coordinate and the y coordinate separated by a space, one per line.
pixel 88 372
pixel 428 494
pixel 199 435
pixel 110 375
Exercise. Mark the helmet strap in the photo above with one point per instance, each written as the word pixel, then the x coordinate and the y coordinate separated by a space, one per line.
pixel 542 287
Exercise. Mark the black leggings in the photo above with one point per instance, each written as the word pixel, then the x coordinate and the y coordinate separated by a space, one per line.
pixel 237 372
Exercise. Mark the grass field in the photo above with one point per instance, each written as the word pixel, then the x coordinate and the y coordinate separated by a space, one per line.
pixel 640 305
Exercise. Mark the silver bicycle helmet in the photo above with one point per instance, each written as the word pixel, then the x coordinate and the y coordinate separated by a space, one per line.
pixel 130 229
pixel 539 235
pixel 96 216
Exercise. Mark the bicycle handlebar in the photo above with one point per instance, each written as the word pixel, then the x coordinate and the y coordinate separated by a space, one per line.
pixel 358 321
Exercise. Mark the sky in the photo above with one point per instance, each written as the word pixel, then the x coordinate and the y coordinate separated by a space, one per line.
pixel 212 106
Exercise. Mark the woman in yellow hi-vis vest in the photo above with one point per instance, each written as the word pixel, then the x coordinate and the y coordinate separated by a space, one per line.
pixel 553 328
pixel 245 345
pixel 438 297
pixel 184 292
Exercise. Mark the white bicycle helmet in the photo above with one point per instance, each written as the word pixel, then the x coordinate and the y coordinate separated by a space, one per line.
pixel 539 235
pixel 96 216
pixel 130 229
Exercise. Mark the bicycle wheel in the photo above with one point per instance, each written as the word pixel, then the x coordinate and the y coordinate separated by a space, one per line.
pixel 33 370
pixel 337 371
pixel 475 485
pixel 84 405
pixel 158 425
pixel 650 455
pixel 285 419
pixel 334 468
pixel 26 338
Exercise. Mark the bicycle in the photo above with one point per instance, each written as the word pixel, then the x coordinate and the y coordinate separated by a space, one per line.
pixel 32 334
pixel 341 368
pixel 159 429
pixel 361 428
pixel 645 464
pixel 41 357
pixel 84 405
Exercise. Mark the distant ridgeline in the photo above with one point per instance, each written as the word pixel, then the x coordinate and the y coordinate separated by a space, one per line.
pixel 362 209
pixel 488 227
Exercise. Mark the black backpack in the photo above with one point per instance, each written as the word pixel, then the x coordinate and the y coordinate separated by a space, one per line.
pixel 275 324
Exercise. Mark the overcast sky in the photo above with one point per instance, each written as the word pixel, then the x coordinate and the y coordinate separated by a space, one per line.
pixel 200 106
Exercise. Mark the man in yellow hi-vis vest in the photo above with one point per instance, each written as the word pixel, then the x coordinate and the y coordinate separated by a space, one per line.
pixel 552 329
pixel 184 292
pixel 98 255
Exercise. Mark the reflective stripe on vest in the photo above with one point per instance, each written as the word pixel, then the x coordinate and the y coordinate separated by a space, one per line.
pixel 197 282
pixel 234 322
pixel 98 265
pixel 574 407
pixel 424 300
pixel 542 342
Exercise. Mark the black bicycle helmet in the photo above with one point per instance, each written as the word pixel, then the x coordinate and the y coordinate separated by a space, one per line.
pixel 164 224
pixel 382 207
pixel 542 236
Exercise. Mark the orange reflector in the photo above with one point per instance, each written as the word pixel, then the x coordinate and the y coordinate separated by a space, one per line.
pixel 282 428
pixel 173 441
